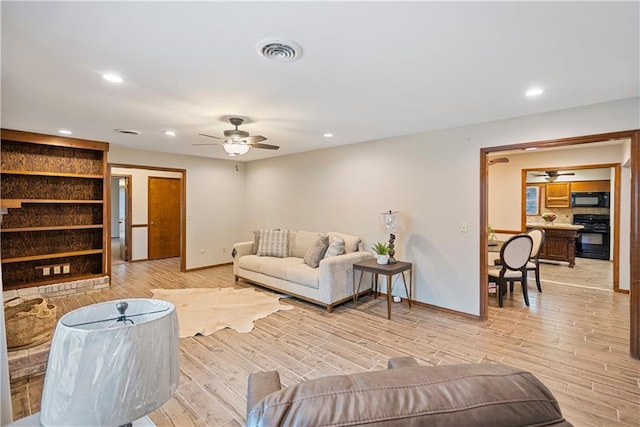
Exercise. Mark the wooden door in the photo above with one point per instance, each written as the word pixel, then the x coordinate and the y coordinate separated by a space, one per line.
pixel 164 217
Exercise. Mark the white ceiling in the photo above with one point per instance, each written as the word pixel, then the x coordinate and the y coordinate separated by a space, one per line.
pixel 370 70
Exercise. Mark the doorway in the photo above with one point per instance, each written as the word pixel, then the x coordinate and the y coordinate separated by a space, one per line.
pixel 634 225
pixel 164 217
pixel 120 219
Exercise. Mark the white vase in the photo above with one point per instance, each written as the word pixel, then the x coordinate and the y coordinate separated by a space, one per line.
pixel 383 259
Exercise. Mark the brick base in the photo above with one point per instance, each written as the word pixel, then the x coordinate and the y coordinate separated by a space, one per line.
pixel 33 361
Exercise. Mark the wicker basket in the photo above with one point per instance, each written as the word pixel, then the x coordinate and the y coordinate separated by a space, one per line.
pixel 29 323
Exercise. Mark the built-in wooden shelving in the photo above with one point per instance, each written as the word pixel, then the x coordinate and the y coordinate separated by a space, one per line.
pixel 54 191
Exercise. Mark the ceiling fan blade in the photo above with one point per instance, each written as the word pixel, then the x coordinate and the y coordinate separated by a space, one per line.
pixel 253 139
pixel 568 173
pixel 211 136
pixel 499 160
pixel 267 146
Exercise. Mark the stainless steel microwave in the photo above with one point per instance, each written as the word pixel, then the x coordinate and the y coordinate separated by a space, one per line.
pixel 592 199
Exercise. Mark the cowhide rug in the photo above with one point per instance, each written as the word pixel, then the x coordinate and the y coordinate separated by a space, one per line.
pixel 206 310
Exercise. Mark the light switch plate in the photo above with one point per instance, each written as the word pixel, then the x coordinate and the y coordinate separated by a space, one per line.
pixel 56 269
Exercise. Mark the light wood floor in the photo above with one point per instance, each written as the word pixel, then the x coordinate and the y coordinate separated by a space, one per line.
pixel 575 339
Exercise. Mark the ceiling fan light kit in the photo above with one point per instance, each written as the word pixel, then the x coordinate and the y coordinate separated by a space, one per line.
pixel 237 142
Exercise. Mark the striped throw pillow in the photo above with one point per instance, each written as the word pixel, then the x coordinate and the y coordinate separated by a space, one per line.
pixel 274 243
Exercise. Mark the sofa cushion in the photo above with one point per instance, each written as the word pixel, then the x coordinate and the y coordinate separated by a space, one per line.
pixel 316 251
pixel 336 247
pixel 274 243
pixel 271 266
pixel 303 240
pixel 351 243
pixel 302 274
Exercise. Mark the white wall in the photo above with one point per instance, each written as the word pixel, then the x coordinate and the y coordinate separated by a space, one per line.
pixel 432 178
pixel 115 206
pixel 214 202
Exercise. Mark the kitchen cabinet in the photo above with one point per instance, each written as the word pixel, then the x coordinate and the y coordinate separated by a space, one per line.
pixel 55 226
pixel 559 243
pixel 591 186
pixel 558 195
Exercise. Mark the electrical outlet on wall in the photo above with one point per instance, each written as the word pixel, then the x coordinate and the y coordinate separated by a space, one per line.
pixel 56 269
pixel 46 271
pixel 66 268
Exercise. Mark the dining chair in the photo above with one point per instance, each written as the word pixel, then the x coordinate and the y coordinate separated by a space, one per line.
pixel 514 256
pixel 537 234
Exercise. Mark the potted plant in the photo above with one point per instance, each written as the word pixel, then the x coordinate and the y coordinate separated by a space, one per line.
pixel 382 252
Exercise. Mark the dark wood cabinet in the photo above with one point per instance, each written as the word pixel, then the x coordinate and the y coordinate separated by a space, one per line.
pixel 559 245
pixel 54 226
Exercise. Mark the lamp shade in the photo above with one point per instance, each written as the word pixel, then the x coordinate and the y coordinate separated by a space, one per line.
pixel 390 222
pixel 236 148
pixel 106 369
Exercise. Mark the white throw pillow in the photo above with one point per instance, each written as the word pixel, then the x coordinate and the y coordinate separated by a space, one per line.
pixel 274 243
pixel 336 247
pixel 351 243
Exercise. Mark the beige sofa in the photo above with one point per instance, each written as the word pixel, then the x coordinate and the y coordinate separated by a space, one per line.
pixel 407 395
pixel 328 284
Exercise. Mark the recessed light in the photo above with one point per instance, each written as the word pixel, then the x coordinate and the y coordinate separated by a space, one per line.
pixel 328 135
pixel 534 91
pixel 113 78
pixel 530 148
pixel 65 132
pixel 169 132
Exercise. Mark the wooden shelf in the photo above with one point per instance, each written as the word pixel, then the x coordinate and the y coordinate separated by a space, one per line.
pixel 52 201
pixel 60 174
pixel 51 256
pixel 10 203
pixel 51 228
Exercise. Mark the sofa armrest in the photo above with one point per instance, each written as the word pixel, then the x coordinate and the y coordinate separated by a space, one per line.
pixel 336 276
pixel 239 250
pixel 242 249
pixel 259 386
pixel 401 362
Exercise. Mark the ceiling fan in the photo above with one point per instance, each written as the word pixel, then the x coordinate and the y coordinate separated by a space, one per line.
pixel 553 175
pixel 237 142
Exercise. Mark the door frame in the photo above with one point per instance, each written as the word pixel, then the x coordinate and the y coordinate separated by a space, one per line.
pixel 634 226
pixel 183 196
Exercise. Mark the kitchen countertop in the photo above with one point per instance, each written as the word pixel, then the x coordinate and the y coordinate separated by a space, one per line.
pixel 558 226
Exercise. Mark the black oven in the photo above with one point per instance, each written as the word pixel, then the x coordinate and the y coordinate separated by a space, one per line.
pixel 594 239
pixel 592 199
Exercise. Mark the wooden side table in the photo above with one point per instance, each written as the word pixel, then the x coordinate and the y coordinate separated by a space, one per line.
pixel 388 270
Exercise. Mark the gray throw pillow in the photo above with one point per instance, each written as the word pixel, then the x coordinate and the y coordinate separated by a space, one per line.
pixel 336 247
pixel 316 251
pixel 256 242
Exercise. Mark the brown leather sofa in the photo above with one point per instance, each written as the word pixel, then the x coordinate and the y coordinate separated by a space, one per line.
pixel 407 395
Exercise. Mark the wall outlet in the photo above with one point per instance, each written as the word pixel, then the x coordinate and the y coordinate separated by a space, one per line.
pixel 66 268
pixel 56 269
pixel 46 271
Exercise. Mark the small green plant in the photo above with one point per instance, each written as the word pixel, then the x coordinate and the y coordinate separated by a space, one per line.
pixel 381 248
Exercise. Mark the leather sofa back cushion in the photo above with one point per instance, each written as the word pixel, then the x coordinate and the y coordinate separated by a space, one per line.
pixel 454 395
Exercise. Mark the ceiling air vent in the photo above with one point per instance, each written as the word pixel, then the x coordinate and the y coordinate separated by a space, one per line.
pixel 279 50
pixel 128 131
